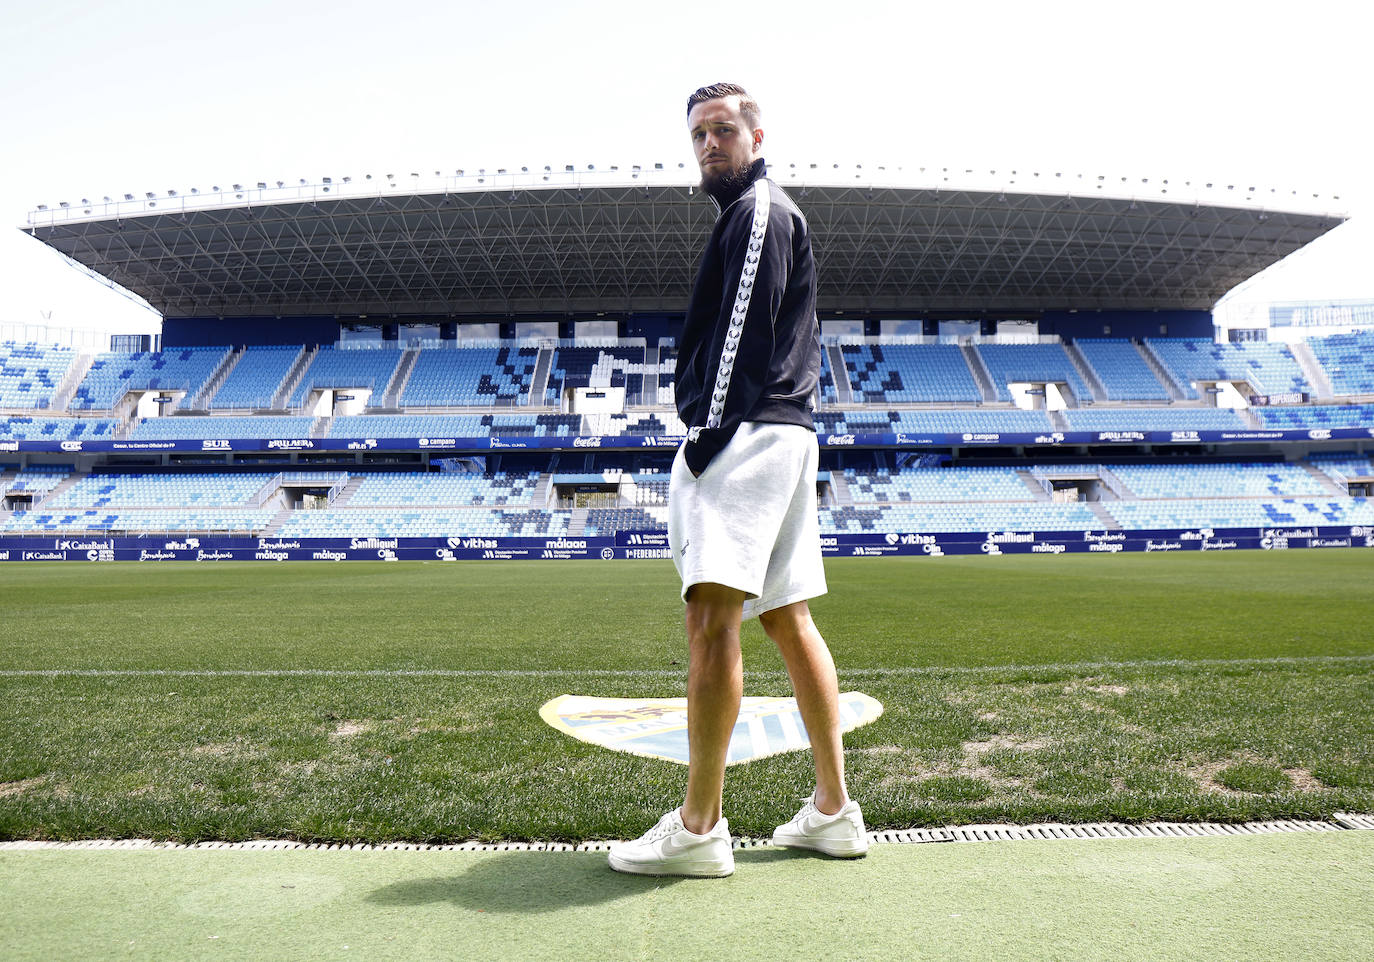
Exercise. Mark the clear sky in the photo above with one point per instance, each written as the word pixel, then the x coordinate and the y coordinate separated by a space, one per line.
pixel 104 98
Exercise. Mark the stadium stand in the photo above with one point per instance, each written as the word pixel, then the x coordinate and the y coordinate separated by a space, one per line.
pixel 1121 369
pixel 467 490
pixel 459 392
pixel 905 373
pixel 112 375
pixel 1033 363
pixel 937 484
pixel 255 379
pixel 1155 419
pixel 1348 360
pixel 24 428
pixel 1269 368
pixel 1317 416
pixel 31 373
pixel 577 365
pixel 182 520
pixel 471 376
pixel 429 522
pixel 39 478
pixel 102 490
pixel 1148 481
pixel 222 426
pixel 333 367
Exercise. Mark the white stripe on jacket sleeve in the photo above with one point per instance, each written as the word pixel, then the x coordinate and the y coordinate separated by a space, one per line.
pixel 752 256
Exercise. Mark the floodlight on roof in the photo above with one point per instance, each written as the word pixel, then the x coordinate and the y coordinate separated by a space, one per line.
pixel 107 197
pixel 262 185
pixel 568 168
pixel 327 180
pixel 63 203
pixel 348 180
pixel 149 195
pixel 128 196
pixel 658 166
pixel 238 187
pixel 42 206
pixel 170 193
pixel 460 173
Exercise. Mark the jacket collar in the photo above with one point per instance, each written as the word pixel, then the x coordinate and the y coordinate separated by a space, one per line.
pixel 727 194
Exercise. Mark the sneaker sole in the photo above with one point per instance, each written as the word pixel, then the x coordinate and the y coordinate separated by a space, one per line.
pixel 687 869
pixel 835 848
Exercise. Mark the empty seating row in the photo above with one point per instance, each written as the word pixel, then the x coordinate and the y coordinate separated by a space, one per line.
pixel 445 489
pixel 1223 480
pixel 1348 360
pixel 256 378
pixel 160 490
pixel 191 427
pixel 30 374
pixel 937 484
pixel 335 368
pixel 1270 368
pixel 22 428
pixel 471 376
pixel 1122 369
pixel 1317 416
pixel 901 373
pixel 113 374
pixel 429 522
pixel 1031 363
pixel 183 520
pixel 1154 419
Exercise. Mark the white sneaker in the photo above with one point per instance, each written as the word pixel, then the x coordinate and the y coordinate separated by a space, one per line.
pixel 669 849
pixel 841 835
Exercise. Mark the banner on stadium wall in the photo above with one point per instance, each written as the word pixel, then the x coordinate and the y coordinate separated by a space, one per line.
pixel 631 442
pixel 654 545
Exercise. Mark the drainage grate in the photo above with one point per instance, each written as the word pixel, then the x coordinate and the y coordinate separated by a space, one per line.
pixel 1341 821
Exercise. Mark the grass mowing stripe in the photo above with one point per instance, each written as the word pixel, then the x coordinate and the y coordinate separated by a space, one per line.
pixel 1079 666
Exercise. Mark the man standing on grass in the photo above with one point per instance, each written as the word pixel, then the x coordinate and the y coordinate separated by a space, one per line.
pixel 742 500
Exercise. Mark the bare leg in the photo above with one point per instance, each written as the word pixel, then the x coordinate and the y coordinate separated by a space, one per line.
pixel 715 683
pixel 812 671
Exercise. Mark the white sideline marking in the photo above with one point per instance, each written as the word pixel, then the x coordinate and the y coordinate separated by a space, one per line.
pixel 1074 666
pixel 1049 831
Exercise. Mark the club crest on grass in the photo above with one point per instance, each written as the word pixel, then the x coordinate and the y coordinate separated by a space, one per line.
pixel 657 727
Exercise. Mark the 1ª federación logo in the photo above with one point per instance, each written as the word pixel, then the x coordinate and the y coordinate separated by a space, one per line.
pixel 657 727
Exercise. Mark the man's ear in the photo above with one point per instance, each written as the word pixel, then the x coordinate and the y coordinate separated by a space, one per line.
pixel 758 139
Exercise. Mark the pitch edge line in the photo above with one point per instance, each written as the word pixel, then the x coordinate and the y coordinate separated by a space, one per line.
pixel 1075 666
pixel 1340 822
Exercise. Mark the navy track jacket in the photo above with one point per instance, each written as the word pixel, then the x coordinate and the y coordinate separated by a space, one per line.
pixel 750 347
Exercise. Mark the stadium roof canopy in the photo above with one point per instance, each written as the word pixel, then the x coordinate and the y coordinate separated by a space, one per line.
pixel 627 241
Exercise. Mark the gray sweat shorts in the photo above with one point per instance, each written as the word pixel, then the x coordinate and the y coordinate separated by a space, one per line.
pixel 749 522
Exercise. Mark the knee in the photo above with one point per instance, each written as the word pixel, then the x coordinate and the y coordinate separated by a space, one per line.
pixel 713 616
pixel 788 627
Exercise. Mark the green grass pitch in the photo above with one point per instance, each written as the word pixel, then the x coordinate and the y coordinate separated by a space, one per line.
pixel 372 702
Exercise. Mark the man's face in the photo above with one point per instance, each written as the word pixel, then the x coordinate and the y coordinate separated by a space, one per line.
pixel 725 146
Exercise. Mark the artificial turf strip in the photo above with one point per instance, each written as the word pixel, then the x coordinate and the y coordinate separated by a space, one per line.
pixel 1261 897
pixel 1217 687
